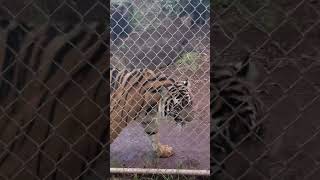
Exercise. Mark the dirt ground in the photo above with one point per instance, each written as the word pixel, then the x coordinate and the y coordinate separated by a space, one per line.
pixel 191 145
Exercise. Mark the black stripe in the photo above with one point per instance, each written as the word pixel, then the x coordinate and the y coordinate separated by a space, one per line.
pixel 149 80
pixel 37 60
pixel 139 80
pixel 163 78
pixel 141 76
pixel 154 79
pixel 4 23
pixel 132 74
pixel 151 133
pixel 58 58
pixel 90 42
pixel 113 83
pixel 99 52
pixel 123 73
pixel 78 38
pixel 23 75
pixel 97 88
pixel 50 35
pixel 62 53
pixel 14 40
pixel 170 79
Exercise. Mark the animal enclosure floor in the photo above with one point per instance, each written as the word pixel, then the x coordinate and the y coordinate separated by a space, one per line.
pixel 133 149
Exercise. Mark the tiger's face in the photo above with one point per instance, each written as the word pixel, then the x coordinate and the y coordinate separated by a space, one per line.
pixel 178 103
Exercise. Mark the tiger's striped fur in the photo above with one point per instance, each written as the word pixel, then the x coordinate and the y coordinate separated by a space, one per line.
pixel 235 109
pixel 44 118
pixel 142 91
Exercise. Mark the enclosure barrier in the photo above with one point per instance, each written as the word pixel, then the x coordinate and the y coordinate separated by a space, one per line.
pixel 160 171
pixel 170 37
pixel 54 78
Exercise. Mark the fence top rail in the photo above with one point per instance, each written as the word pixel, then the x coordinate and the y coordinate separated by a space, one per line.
pixel 160 171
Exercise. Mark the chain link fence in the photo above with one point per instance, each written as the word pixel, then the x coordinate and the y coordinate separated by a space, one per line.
pixel 265 89
pixel 54 77
pixel 170 37
pixel 53 82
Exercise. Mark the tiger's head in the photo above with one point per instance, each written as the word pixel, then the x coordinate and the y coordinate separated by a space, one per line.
pixel 177 102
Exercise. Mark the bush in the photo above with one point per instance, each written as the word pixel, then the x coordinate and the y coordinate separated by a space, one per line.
pixel 189 60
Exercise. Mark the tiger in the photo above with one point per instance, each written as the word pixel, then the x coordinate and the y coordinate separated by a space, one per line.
pixel 235 110
pixel 148 97
pixel 53 100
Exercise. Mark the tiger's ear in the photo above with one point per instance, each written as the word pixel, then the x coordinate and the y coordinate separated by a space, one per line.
pixel 186 83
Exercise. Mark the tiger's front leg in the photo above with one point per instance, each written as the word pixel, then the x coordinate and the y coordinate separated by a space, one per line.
pixel 162 151
pixel 150 126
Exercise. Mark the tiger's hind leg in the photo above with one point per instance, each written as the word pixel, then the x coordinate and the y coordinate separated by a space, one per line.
pixel 150 126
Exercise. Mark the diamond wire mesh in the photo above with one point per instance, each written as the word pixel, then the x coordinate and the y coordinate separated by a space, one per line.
pixel 282 40
pixel 52 95
pixel 171 37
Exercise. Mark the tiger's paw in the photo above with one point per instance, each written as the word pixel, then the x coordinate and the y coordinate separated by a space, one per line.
pixel 165 151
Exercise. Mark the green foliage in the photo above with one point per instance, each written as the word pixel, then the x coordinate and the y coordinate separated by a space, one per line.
pixel 135 177
pixel 136 18
pixel 115 163
pixel 189 60
pixel 175 7
pixel 132 14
